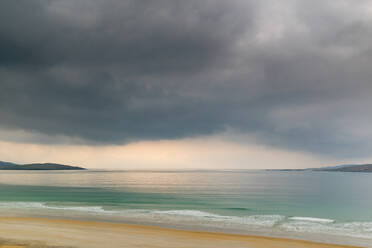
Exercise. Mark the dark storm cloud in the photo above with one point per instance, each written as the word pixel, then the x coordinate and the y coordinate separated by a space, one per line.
pixel 294 74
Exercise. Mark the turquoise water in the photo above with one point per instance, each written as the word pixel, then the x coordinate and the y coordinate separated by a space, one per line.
pixel 310 204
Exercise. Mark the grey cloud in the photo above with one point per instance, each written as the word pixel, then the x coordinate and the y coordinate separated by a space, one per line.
pixel 296 75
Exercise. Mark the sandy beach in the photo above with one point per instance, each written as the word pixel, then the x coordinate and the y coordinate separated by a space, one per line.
pixel 19 232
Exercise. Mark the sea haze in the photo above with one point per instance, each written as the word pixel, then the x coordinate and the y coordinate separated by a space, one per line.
pixel 322 206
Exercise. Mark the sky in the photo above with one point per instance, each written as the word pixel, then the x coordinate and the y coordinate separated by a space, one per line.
pixel 174 84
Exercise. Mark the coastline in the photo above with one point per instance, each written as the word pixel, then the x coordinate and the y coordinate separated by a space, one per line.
pixel 48 232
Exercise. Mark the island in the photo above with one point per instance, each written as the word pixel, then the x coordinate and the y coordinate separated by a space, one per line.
pixel 339 168
pixel 37 166
pixel 348 168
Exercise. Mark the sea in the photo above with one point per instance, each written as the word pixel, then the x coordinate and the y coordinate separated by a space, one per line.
pixel 333 207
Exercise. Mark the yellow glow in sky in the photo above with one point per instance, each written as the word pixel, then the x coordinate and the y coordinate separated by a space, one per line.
pixel 193 153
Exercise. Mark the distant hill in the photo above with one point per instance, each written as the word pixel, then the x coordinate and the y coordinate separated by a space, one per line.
pixel 339 168
pixel 37 166
pixel 2 163
pixel 349 168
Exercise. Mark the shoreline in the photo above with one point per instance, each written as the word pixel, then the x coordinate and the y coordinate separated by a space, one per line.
pixel 93 234
pixel 188 226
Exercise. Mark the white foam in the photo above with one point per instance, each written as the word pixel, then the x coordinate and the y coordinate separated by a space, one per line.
pixel 200 216
pixel 311 219
pixel 41 205
pixel 85 209
pixel 356 229
pixel 350 229
pixel 21 205
pixel 261 220
pixel 186 212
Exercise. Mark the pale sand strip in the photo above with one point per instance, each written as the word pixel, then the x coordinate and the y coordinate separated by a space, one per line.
pixel 87 234
pixel 12 246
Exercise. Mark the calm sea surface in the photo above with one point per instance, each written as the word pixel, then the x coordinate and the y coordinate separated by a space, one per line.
pixel 326 206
